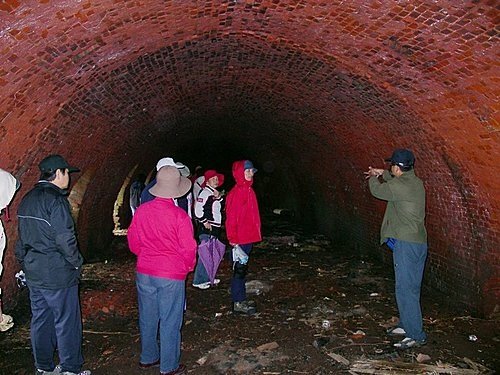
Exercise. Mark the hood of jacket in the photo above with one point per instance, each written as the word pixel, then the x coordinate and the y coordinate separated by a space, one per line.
pixel 239 174
pixel 7 188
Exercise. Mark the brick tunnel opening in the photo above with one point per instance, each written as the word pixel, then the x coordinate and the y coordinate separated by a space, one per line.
pixel 312 95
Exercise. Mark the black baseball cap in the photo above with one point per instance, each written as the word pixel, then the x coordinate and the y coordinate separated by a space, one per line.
pixel 402 157
pixel 53 162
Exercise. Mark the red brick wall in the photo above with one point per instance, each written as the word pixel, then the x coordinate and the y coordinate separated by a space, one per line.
pixel 321 89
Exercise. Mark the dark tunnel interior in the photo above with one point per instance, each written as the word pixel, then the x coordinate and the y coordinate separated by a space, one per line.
pixel 312 92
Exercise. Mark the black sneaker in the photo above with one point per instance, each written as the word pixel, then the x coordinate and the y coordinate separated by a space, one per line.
pixel 145 366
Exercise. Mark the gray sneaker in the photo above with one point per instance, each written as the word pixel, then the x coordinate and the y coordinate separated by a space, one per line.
pixel 83 372
pixel 55 371
pixel 244 307
pixel 408 343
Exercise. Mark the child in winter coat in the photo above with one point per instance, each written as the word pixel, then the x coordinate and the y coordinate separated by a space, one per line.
pixel 208 213
pixel 242 228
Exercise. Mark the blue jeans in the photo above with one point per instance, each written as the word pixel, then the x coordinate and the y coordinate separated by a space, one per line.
pixel 56 322
pixel 161 304
pixel 409 263
pixel 238 288
pixel 200 273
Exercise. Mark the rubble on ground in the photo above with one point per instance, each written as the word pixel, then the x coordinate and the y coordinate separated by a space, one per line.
pixel 320 310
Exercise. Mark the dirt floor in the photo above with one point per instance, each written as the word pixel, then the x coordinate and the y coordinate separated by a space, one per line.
pixel 321 310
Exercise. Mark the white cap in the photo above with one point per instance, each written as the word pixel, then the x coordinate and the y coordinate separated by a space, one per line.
pixel 165 162
pixel 183 169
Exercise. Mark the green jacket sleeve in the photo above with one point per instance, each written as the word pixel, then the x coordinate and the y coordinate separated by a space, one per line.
pixel 382 190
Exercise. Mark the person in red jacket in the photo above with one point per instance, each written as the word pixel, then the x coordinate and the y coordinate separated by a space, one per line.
pixel 161 235
pixel 242 228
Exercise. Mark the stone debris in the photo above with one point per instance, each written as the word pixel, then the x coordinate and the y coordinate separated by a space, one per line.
pixel 269 346
pixel 359 334
pixel 339 358
pixel 283 212
pixel 327 309
pixel 257 287
pixel 381 367
pixel 202 360
pixel 279 240
pixel 421 358
pixel 231 357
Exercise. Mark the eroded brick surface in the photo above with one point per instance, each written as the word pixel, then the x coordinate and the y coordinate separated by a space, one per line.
pixel 318 90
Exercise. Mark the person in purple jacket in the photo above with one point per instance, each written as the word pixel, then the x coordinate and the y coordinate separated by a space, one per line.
pixel 161 235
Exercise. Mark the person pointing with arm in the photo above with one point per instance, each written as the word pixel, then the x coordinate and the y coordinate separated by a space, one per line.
pixel 404 232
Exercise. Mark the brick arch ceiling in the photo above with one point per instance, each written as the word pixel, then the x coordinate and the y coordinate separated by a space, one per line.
pixel 320 88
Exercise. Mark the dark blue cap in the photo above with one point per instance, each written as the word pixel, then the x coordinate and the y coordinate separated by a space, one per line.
pixel 249 165
pixel 402 157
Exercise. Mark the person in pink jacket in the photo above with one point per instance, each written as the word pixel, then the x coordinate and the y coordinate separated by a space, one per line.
pixel 161 235
pixel 242 228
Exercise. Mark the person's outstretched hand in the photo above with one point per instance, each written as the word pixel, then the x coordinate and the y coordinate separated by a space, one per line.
pixel 373 172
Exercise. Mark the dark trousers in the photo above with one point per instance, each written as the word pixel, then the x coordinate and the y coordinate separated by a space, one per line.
pixel 56 323
pixel 238 289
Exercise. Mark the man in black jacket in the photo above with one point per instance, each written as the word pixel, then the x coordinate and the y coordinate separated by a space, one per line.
pixel 48 252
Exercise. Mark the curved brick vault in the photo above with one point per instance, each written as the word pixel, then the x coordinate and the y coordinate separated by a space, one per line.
pixel 313 91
